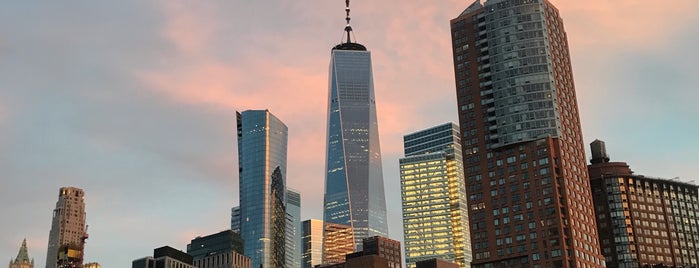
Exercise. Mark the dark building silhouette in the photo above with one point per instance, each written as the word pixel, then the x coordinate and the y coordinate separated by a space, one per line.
pixel 219 250
pixel 530 203
pixel 436 263
pixel 165 257
pixel 643 221
pixel 378 252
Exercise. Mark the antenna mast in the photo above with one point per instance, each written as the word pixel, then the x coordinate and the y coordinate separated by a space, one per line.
pixel 348 28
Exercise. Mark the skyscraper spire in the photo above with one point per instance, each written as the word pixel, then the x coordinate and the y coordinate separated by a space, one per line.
pixel 348 44
pixel 348 28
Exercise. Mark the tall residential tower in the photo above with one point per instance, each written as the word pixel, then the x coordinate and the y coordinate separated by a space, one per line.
pixel 262 143
pixel 643 221
pixel 435 212
pixel 355 206
pixel 68 230
pixel 530 203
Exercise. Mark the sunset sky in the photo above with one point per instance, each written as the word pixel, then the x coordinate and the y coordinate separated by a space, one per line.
pixel 134 101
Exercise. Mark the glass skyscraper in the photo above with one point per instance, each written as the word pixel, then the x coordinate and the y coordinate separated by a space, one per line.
pixel 262 144
pixel 354 205
pixel 435 212
pixel 293 226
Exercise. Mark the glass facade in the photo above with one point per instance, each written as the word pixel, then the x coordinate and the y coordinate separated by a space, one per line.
pixel 312 243
pixel 354 192
pixel 262 147
pixel 435 212
pixel 293 229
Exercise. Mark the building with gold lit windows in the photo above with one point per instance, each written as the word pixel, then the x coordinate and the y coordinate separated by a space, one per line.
pixel 435 216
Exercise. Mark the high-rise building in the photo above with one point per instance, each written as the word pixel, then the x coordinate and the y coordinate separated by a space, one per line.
pixel 643 221
pixel 262 144
pixel 68 230
pixel 220 250
pixel 22 260
pixel 293 232
pixel 354 192
pixel 435 211
pixel 312 242
pixel 165 257
pixel 530 203
pixel 235 219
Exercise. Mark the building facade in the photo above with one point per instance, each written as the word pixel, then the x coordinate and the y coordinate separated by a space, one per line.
pixel 22 260
pixel 293 229
pixel 643 221
pixel 235 219
pixel 262 147
pixel 165 257
pixel 435 210
pixel 354 190
pixel 219 250
pixel 530 203
pixel 312 242
pixel 68 230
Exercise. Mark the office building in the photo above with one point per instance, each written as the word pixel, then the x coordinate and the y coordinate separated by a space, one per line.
pixel 235 219
pixel 643 221
pixel 22 260
pixel 435 212
pixel 354 192
pixel 530 203
pixel 312 243
pixel 165 257
pixel 220 250
pixel 68 230
pixel 293 229
pixel 262 146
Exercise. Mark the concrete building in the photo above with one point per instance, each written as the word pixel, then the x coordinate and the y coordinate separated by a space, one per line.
pixel 354 189
pixel 530 203
pixel 68 230
pixel 643 221
pixel 435 212
pixel 22 260
pixel 312 243
pixel 262 155
pixel 165 257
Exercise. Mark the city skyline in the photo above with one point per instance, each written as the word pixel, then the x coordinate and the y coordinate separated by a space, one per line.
pixel 105 120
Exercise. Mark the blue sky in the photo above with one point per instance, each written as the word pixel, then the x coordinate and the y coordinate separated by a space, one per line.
pixel 134 101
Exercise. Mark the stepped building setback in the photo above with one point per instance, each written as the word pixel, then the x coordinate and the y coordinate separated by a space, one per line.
pixel 68 230
pixel 530 203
